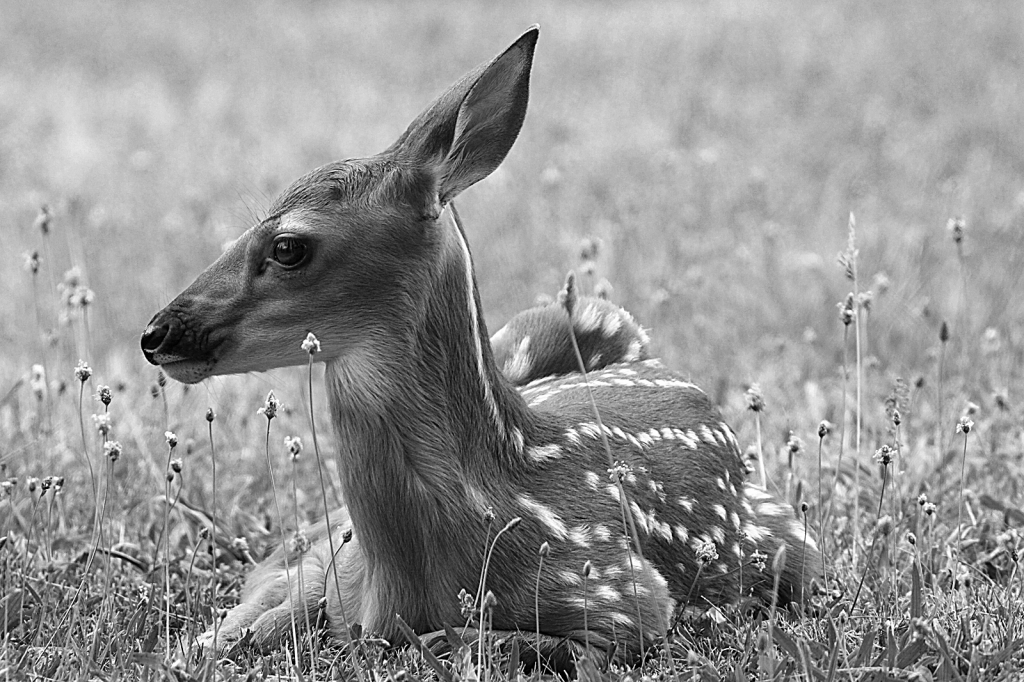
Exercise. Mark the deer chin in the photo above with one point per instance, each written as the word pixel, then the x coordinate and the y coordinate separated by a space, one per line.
pixel 189 371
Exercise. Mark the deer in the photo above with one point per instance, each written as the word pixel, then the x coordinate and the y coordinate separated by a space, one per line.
pixel 437 447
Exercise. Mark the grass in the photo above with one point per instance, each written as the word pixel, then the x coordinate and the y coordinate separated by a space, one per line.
pixel 714 150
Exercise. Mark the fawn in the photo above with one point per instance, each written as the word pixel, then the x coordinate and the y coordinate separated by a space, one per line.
pixel 437 448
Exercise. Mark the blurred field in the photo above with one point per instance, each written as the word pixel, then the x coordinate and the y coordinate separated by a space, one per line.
pixel 716 150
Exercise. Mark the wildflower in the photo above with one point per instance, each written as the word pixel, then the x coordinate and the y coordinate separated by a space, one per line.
pixel 103 423
pixel 294 446
pixel 846 310
pixel 922 499
pixel 864 299
pixel 956 226
pixel 779 561
pixel 884 455
pixel 897 418
pixel 161 378
pixel 944 332
pixel 204 533
pixel 490 601
pixel 964 426
pixel 706 552
pixel 884 525
pixel 58 485
pixel 881 283
pixel 911 538
pixel 489 514
pixel 466 605
pixel 112 449
pixel 32 262
pixel 103 393
pixel 176 465
pixel 45 485
pixel 587 568
pixel 794 445
pixel 240 545
pixel 210 416
pixel 83 371
pixel 567 296
pixel 43 219
pixel 32 482
pixel 990 341
pixel 824 428
pixel 755 399
pixel 619 471
pixel 311 345
pixel 544 550
pixel 270 406
pixel 346 537
pixel 37 381
pixel 171 438
pixel 7 487
pixel 760 560
pixel 930 508
pixel 300 543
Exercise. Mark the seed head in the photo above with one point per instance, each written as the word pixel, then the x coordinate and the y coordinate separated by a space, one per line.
pixel 957 226
pixel 37 381
pixel 883 455
pixel 567 296
pixel 270 406
pixel 83 371
pixel 706 552
pixel 171 438
pixel 294 446
pixel 210 416
pixel 103 423
pixel 884 525
pixel 112 449
pixel 43 219
pixel 32 262
pixel 176 465
pixel 779 562
pixel 944 332
pixel 929 508
pixel 32 482
pixel 58 485
pixel 755 399
pixel 346 537
pixel 965 425
pixel 911 538
pixel 897 418
pixel 490 601
pixel 760 560
pixel 103 393
pixel 161 378
pixel 824 428
pixel 587 568
pixel 7 487
pixel 846 310
pixel 544 550
pixel 240 544
pixel 922 499
pixel 204 533
pixel 794 445
pixel 311 345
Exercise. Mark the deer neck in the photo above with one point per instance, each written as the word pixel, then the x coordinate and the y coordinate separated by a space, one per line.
pixel 425 430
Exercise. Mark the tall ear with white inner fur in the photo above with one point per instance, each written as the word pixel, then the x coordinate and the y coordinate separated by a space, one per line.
pixel 467 132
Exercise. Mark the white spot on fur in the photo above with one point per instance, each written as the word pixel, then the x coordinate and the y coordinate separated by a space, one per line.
pixel 639 516
pixel 681 532
pixel 570 578
pixel 718 534
pixel 686 503
pixel 520 364
pixel 607 593
pixel 580 536
pixel 720 510
pixel 544 453
pixel 613 490
pixel 622 619
pixel 735 520
pixel 706 434
pixel 601 533
pixel 756 533
pixel 612 324
pixel 721 483
pixel 545 515
pixel 592 479
pixel 633 351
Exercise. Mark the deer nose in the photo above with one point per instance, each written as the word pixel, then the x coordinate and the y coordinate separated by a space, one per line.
pixel 152 338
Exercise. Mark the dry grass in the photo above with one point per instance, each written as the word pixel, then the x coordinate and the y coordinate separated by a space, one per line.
pixel 715 150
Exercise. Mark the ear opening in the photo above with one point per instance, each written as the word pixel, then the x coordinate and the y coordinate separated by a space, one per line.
pixel 467 132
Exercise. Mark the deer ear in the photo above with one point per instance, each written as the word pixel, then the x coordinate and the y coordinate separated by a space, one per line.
pixel 467 132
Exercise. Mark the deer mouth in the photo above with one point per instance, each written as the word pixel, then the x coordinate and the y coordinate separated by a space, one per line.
pixel 168 344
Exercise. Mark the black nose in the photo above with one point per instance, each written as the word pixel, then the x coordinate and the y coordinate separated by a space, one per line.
pixel 152 339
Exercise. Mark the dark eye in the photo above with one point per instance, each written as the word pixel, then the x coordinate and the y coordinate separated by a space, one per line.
pixel 289 251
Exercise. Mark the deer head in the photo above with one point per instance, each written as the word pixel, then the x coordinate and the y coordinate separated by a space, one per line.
pixel 351 250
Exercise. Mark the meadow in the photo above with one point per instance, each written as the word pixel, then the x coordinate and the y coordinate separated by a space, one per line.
pixel 743 168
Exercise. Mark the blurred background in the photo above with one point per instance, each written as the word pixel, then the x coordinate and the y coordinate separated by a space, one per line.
pixel 712 150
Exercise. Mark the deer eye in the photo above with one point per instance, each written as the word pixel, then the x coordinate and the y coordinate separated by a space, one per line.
pixel 289 251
